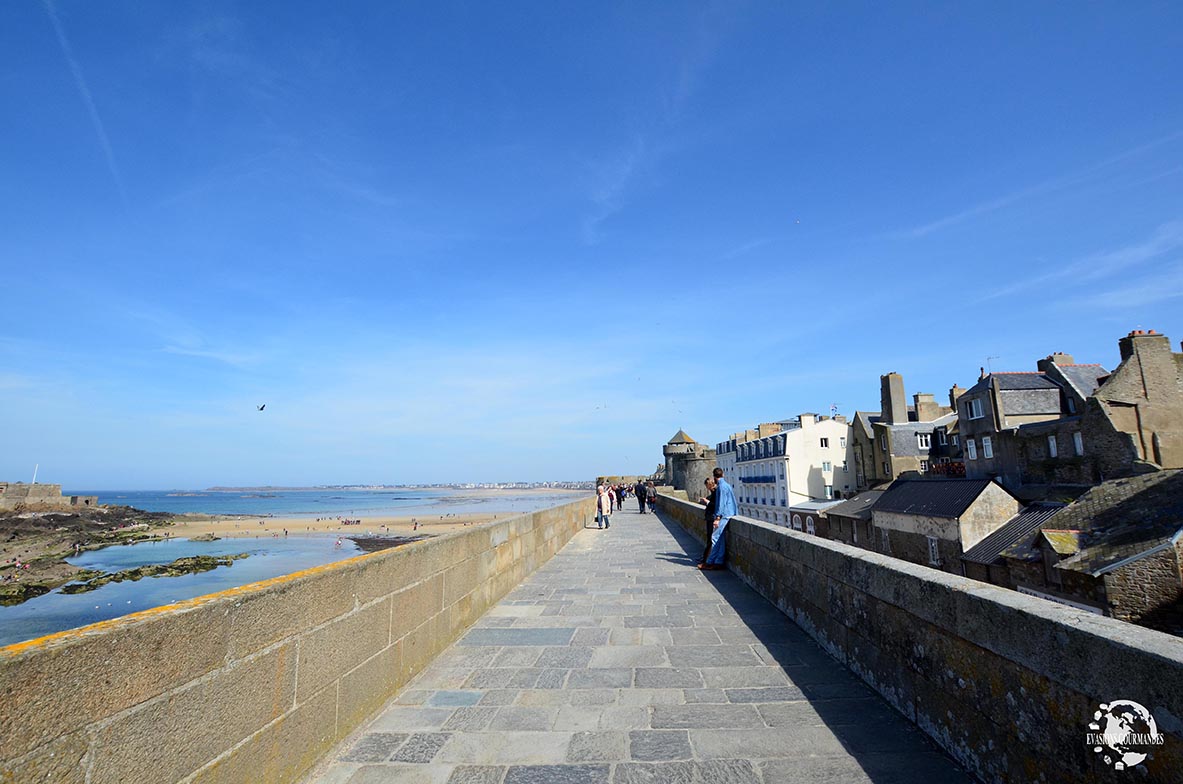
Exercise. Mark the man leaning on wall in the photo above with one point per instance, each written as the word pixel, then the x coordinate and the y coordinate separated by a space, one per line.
pixel 725 509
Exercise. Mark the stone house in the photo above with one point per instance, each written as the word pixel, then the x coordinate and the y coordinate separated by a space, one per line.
pixel 898 439
pixel 1116 550
pixel 934 522
pixel 984 561
pixel 1059 430
pixel 806 516
pixel 850 520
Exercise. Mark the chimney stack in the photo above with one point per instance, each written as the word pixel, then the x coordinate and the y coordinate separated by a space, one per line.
pixel 893 403
pixel 954 393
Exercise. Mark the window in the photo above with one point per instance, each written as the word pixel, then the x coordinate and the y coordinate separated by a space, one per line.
pixel 884 541
pixel 1078 443
pixel 842 442
pixel 971 449
pixel 987 447
pixel 1071 405
pixel 809 528
pixel 827 465
pixel 796 522
pixel 883 442
pixel 825 443
pixel 924 440
pixel 924 466
pixel 845 468
pixel 854 532
pixel 974 409
pixel 942 437
pixel 1052 451
pixel 829 492
pixel 956 439
pixel 886 470
pixel 934 554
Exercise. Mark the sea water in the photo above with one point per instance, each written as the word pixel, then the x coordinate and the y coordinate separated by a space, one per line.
pixel 269 556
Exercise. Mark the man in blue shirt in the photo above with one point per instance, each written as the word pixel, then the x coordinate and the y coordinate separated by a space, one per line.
pixel 725 509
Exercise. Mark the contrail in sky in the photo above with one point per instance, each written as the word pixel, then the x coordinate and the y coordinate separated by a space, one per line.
pixel 84 91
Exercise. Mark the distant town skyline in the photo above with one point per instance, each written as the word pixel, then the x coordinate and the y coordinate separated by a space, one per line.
pixel 271 244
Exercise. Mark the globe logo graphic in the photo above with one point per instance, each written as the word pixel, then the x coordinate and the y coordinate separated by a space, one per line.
pixel 1123 733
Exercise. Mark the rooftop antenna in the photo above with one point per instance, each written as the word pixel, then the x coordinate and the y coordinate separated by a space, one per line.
pixel 35 467
pixel 988 363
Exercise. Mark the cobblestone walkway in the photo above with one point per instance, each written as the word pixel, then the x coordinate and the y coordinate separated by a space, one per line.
pixel 620 662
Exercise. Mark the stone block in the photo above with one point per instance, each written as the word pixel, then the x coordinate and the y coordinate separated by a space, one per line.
pixel 416 603
pixel 282 751
pixel 60 761
pixel 286 606
pixel 367 687
pixel 58 684
pixel 200 721
pixel 332 650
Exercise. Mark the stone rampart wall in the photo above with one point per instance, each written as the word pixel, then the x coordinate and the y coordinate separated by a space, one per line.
pixel 257 683
pixel 1006 683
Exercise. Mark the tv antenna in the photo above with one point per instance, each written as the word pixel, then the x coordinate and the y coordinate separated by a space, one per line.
pixel 990 366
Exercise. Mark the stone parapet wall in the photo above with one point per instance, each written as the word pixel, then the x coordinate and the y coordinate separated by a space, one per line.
pixel 1005 683
pixel 39 497
pixel 257 683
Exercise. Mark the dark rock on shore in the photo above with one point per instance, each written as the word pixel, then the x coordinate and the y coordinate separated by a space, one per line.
pixel 372 544
pixel 190 565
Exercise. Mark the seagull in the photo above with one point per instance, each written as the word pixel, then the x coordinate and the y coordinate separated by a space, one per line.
pixel 261 407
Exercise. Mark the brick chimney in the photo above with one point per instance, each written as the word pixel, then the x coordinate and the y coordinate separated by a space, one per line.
pixel 1057 358
pixel 954 393
pixel 926 407
pixel 1142 340
pixel 892 402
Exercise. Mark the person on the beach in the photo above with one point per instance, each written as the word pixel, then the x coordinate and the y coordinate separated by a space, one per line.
pixel 709 501
pixel 603 507
pixel 725 509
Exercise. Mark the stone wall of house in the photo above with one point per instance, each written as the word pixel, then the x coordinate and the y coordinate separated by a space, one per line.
pixel 1139 588
pixel 1005 683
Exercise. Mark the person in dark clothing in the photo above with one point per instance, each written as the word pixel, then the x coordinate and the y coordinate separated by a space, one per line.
pixel 708 513
pixel 620 498
pixel 640 491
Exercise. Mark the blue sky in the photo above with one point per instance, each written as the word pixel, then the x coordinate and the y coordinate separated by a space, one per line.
pixel 502 241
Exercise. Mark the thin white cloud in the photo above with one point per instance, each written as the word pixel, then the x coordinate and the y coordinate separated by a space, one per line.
pixel 87 99
pixel 746 247
pixel 1049 186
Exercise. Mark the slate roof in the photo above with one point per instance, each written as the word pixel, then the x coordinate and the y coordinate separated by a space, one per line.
pixel 1063 542
pixel 813 506
pixel 1016 380
pixel 858 507
pixel 1020 527
pixel 867 419
pixel 1085 379
pixel 932 497
pixel 681 438
pixel 1123 520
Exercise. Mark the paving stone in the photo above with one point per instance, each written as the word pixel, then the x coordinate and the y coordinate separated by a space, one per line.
pixel 705 716
pixel 656 637
pixel 601 678
pixel 506 748
pixel 565 657
pixel 657 622
pixel 624 717
pixel 751 744
pixel 551 636
pixel 400 774
pixel 375 747
pixel 654 745
pixel 645 697
pixel 668 678
pixel 477 774
pixel 597 747
pixel 694 637
pixel 713 656
pixel 772 694
pixel 516 656
pixel 590 637
pixel 421 747
pixel 629 656
pixel 593 696
pixel 515 717
pixel 499 697
pixel 551 678
pixel 740 677
pixel 578 718
pixel 470 719
pixel 704 695
pixel 454 699
pixel 558 774
pixel 399 718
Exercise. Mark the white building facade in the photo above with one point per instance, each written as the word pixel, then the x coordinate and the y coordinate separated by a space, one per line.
pixel 811 458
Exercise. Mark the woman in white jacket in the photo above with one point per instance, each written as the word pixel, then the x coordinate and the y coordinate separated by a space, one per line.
pixel 603 507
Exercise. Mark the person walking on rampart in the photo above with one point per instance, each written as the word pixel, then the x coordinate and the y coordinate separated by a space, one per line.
pixel 603 507
pixel 725 509
pixel 639 490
